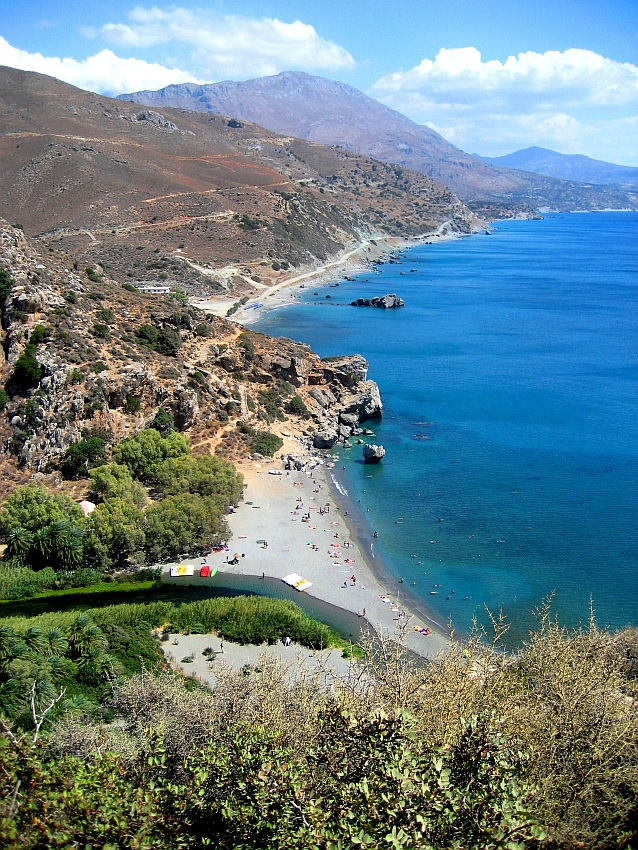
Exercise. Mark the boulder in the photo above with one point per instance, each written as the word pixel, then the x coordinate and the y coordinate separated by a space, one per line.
pixel 372 453
pixel 322 396
pixel 349 419
pixel 324 439
pixel 347 370
pixel 185 408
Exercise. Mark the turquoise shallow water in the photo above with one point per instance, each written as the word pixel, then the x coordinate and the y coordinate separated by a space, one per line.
pixel 516 361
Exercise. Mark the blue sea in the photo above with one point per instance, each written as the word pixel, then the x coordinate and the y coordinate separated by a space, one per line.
pixel 510 390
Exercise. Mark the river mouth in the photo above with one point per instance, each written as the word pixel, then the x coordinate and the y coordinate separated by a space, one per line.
pixel 347 625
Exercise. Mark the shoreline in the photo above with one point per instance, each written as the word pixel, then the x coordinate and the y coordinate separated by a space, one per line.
pixel 272 540
pixel 362 258
pixel 362 531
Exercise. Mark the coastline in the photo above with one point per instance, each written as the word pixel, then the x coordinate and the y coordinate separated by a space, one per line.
pixel 386 605
pixel 351 260
pixel 325 550
pixel 361 530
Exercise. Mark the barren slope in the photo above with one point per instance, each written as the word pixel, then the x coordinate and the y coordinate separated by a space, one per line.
pixel 334 113
pixel 179 196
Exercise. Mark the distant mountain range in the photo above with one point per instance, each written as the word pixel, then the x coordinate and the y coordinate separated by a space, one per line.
pixel 333 113
pixel 568 167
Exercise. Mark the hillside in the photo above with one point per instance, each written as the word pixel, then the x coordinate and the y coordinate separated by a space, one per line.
pixel 334 113
pixel 83 356
pixel 569 167
pixel 192 200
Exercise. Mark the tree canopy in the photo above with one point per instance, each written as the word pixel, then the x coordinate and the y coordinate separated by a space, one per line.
pixel 145 453
pixel 32 506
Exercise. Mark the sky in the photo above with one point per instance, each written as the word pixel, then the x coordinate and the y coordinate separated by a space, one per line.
pixel 492 76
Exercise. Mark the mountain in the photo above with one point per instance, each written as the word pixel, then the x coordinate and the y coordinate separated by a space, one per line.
pixel 334 113
pixel 568 167
pixel 191 199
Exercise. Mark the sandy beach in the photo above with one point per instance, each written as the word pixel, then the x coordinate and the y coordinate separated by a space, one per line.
pixel 273 537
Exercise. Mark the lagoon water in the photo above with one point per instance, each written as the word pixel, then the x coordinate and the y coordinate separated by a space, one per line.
pixel 510 390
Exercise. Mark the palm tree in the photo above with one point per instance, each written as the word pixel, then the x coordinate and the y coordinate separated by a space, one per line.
pixel 68 544
pixel 85 636
pixel 35 640
pixel 8 640
pixel 58 643
pixel 19 543
pixel 11 697
pixel 42 546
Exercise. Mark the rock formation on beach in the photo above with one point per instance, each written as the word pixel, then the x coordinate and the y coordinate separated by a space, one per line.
pixel 385 302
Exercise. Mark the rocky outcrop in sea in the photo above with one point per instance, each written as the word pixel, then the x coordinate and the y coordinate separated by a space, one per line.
pixel 372 453
pixel 385 302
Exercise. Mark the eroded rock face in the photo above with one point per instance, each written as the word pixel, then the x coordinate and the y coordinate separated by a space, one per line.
pixel 185 409
pixel 372 453
pixel 323 396
pixel 365 404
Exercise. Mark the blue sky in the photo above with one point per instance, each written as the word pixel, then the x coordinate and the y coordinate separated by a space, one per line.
pixel 492 76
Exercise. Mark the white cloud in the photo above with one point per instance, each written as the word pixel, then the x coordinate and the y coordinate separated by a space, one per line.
pixel 576 101
pixel 230 45
pixel 103 72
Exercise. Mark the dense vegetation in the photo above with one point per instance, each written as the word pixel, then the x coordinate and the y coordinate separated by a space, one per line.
pixel 476 750
pixel 132 525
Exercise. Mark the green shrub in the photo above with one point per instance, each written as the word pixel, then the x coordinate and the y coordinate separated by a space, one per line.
pixel 105 314
pixel 248 346
pixel 39 334
pixel 197 378
pixel 297 406
pixel 179 296
pixel 266 443
pixel 147 335
pixel 163 422
pixel 129 287
pixel 133 404
pixel 76 377
pixel 27 372
pixel 82 456
pixel 6 282
pixel 203 329
pixel 4 400
pixel 100 330
pixel 92 274
pixel 247 223
pixel 168 342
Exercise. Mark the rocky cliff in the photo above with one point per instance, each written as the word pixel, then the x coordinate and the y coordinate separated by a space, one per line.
pixel 107 359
